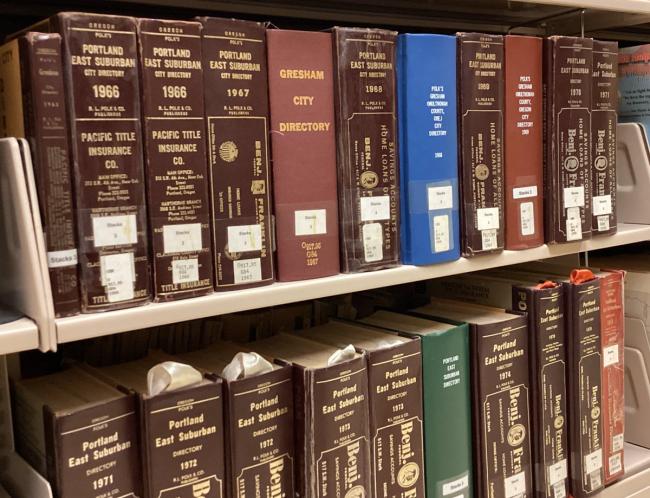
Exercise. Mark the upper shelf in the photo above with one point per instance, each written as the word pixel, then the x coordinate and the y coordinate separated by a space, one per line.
pixel 92 325
pixel 20 335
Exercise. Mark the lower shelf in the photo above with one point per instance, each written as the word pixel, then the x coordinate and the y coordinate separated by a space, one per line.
pixel 19 335
pixel 636 483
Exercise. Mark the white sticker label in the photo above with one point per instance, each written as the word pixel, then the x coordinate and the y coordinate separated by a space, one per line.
pixel 247 270
pixel 524 192
pixel 455 486
pixel 615 464
pixel 244 238
pixel 487 218
pixel 59 259
pixel 595 480
pixel 610 355
pixel 574 197
pixel 440 197
pixel 117 276
pixel 603 223
pixel 594 461
pixel 375 208
pixel 602 204
pixel 311 222
pixel 618 442
pixel 515 485
pixel 559 490
pixel 557 472
pixel 489 239
pixel 441 238
pixel 373 242
pixel 185 270
pixel 573 224
pixel 182 238
pixel 527 218
pixel 115 230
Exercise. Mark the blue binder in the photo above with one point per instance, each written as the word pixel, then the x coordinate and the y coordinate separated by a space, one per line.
pixel 426 80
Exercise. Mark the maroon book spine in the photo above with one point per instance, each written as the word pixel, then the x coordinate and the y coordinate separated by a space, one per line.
pixel 103 90
pixel 46 129
pixel 304 153
pixel 604 116
pixel 237 114
pixel 523 145
pixel 175 158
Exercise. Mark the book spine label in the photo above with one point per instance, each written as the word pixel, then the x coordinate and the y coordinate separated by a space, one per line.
pixel 603 136
pixel 184 443
pixel 46 129
pixel 395 387
pixel 97 452
pixel 501 377
pixel 613 380
pixel 102 83
pixel 567 91
pixel 304 153
pixel 545 310
pixel 429 219
pixel 339 446
pixel 261 435
pixel 367 148
pixel 237 113
pixel 584 388
pixel 480 73
pixel 175 158
pixel 523 145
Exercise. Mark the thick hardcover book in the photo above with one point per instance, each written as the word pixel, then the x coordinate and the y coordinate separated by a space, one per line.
pixel 612 328
pixel 446 400
pixel 582 319
pixel 103 90
pixel 604 117
pixel 237 113
pixel 182 435
pixel 175 158
pixel 34 107
pixel 634 79
pixel 567 132
pixel 500 387
pixel 480 97
pixel 259 424
pixel 395 390
pixel 79 433
pixel 366 122
pixel 428 148
pixel 331 416
pixel 304 153
pixel 523 143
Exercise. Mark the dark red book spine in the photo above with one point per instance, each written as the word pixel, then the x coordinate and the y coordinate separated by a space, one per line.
pixel 523 144
pixel 304 153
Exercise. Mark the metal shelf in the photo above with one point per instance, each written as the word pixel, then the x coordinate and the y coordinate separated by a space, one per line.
pixel 636 483
pixel 19 335
pixel 93 325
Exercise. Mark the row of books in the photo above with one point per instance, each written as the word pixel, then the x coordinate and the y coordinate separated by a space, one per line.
pixel 452 398
pixel 160 169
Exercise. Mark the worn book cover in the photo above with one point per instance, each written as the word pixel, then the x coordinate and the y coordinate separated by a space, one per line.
pixel 633 83
pixel 181 430
pixel 567 138
pixel 331 416
pixel 604 118
pixel 34 107
pixel 428 148
pixel 395 401
pixel 80 433
pixel 175 158
pixel 102 82
pixel 480 97
pixel 239 155
pixel 366 125
pixel 301 94
pixel 523 144
pixel 612 328
pixel 501 396
pixel 446 400
pixel 584 385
